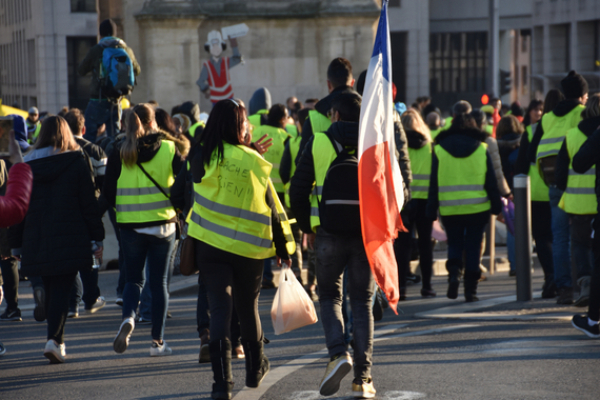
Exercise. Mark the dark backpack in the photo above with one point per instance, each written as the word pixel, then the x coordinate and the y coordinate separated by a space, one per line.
pixel 339 210
pixel 116 71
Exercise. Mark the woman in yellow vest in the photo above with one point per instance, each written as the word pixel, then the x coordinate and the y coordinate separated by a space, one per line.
pixel 414 213
pixel 463 187
pixel 579 198
pixel 137 183
pixel 237 221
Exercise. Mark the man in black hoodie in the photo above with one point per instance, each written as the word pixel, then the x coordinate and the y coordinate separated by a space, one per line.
pixel 337 253
pixel 339 80
pixel 544 148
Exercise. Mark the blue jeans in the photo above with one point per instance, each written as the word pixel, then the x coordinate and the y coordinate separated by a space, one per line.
pixel 267 271
pixel 582 244
pixel 465 239
pixel 561 235
pixel 99 112
pixel 140 250
pixel 85 288
pixel 112 215
pixel 334 255
pixel 145 307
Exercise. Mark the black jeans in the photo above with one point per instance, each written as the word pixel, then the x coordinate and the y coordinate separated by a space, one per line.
pixel 334 255
pixel 58 291
pixel 413 216
pixel 10 274
pixel 594 307
pixel 226 273
pixel 464 240
pixel 541 229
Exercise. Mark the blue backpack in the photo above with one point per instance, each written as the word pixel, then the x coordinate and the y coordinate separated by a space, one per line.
pixel 116 72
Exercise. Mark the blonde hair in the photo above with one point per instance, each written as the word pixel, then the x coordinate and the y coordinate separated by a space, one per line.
pixel 55 133
pixel 592 107
pixel 509 124
pixel 412 120
pixel 138 125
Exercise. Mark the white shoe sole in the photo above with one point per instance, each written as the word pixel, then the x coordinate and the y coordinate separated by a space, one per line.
pixel 363 395
pixel 590 334
pixel 331 383
pixel 122 340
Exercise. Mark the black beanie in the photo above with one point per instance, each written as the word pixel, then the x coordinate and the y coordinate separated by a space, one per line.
pixel 574 85
pixel 107 28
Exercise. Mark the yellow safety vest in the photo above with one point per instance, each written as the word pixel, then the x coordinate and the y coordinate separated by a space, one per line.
pixel 539 189
pixel 255 118
pixel 230 211
pixel 192 129
pixel 275 152
pixel 435 132
pixel 36 132
pixel 420 164
pixel 292 130
pixel 318 122
pixel 294 149
pixel 461 182
pixel 580 195
pixel 138 199
pixel 555 128
pixel 447 125
pixel 323 155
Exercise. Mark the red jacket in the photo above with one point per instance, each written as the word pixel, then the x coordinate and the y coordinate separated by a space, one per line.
pixel 14 205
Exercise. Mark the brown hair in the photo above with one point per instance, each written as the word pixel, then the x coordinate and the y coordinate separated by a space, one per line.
pixel 508 124
pixel 55 133
pixel 75 120
pixel 592 107
pixel 138 125
pixel 412 121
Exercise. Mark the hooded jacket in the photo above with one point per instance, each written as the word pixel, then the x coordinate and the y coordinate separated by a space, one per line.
pixel 20 128
pixel 346 134
pixel 260 100
pixel 63 216
pixel 506 147
pixel 148 146
pixel 461 143
pixel 588 156
pixel 561 171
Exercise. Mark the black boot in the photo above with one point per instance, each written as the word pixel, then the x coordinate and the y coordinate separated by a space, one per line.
pixel 257 364
pixel 471 280
pixel 453 266
pixel 220 358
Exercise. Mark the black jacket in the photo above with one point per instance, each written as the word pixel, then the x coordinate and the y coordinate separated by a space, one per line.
pixel 63 217
pixel 562 109
pixel 148 146
pixel 506 146
pixel 588 156
pixel 97 160
pixel 324 107
pixel 462 143
pixel 522 165
pixel 561 171
pixel 403 157
pixel 346 134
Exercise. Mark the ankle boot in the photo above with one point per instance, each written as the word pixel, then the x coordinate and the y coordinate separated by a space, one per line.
pixel 471 280
pixel 220 358
pixel 257 364
pixel 453 266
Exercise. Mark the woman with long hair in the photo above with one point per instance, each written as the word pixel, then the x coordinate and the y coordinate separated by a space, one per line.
pixel 414 213
pixel 534 112
pixel 237 221
pixel 62 226
pixel 138 179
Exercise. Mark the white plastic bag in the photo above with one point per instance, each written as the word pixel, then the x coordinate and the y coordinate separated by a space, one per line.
pixel 292 308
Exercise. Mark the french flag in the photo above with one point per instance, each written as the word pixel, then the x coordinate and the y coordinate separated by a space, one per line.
pixel 379 178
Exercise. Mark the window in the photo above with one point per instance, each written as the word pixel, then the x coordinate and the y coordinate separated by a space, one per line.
pixel 83 6
pixel 524 79
pixel 395 3
pixel 79 86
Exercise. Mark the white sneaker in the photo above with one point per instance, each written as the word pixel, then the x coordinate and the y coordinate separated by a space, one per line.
pixel 55 353
pixel 122 339
pixel 159 350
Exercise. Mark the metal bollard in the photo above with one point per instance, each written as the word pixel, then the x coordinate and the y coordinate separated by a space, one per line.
pixel 523 236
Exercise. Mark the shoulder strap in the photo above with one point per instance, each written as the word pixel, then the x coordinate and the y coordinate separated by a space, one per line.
pixel 156 184
pixel 336 145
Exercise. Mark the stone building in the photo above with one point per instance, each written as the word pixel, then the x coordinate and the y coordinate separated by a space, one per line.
pixel 287 50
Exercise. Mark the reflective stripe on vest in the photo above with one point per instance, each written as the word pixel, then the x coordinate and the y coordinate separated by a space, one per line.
pixel 294 149
pixel 275 152
pixel 219 81
pixel 420 164
pixel 192 129
pixel 461 182
pixel 138 199
pixel 555 128
pixel 318 122
pixel 255 118
pixel 580 195
pixel 539 189
pixel 230 211
pixel 323 155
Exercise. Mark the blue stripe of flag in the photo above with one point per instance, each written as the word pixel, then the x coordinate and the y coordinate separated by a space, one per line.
pixel 381 41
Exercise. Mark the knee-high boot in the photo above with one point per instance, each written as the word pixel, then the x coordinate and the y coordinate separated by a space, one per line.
pixel 257 364
pixel 471 280
pixel 454 266
pixel 220 358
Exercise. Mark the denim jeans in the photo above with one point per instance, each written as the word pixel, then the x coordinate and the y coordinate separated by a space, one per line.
pixel 334 255
pixel 268 271
pixel 140 250
pixel 582 244
pixel 85 288
pixel 463 238
pixel 112 215
pixel 99 112
pixel 145 307
pixel 561 252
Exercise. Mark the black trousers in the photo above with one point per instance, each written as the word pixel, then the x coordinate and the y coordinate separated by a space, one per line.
pixel 594 307
pixel 58 292
pixel 541 229
pixel 226 273
pixel 10 274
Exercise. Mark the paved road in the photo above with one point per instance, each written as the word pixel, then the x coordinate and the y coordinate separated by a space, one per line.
pixel 415 357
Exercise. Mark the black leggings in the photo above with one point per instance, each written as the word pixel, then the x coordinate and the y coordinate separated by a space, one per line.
pixel 221 272
pixel 58 292
pixel 541 230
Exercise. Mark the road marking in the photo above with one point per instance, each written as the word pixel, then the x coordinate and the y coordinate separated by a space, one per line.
pixel 391 395
pixel 281 372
